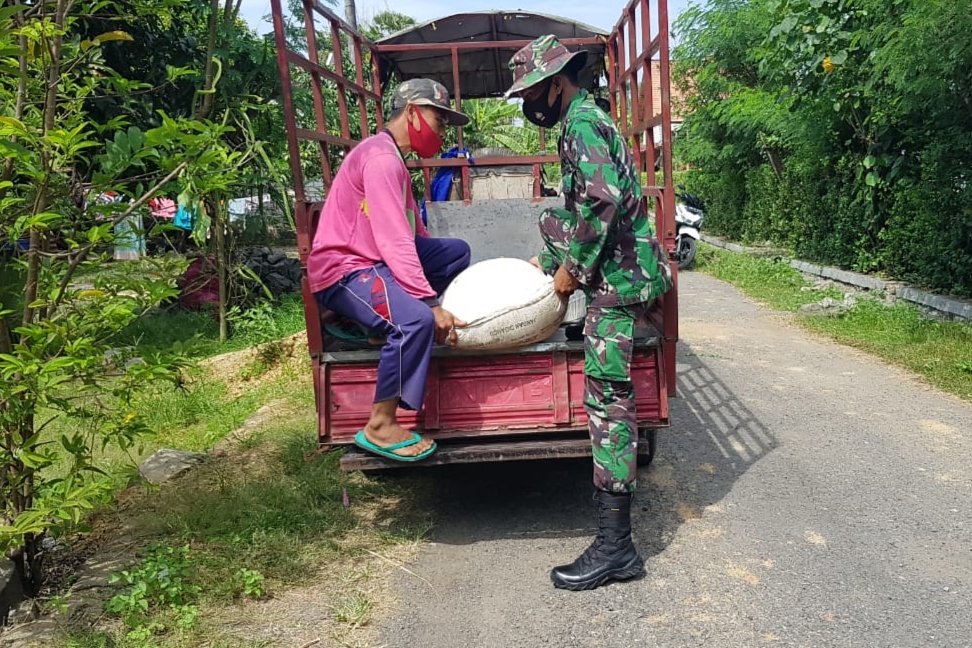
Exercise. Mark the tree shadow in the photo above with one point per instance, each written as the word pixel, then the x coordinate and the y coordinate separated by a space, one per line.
pixel 713 440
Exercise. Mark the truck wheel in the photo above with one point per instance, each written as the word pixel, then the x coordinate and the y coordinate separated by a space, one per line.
pixel 647 442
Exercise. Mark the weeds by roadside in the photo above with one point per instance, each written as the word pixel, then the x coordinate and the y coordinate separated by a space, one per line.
pixel 941 352
pixel 266 541
pixel 271 531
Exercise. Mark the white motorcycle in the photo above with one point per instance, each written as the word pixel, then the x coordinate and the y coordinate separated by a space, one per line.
pixel 689 214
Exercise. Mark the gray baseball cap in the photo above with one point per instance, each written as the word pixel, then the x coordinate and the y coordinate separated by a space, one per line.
pixel 426 92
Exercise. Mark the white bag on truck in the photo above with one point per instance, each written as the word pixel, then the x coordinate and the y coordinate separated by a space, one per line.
pixel 505 302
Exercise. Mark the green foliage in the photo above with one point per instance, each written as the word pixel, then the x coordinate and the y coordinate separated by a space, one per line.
pixel 837 128
pixel 386 23
pixel 61 368
pixel 251 582
pixel 160 582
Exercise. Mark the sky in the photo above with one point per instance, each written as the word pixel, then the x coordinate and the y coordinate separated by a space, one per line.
pixel 603 14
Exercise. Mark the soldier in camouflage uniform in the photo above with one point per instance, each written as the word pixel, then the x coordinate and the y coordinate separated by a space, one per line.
pixel 601 242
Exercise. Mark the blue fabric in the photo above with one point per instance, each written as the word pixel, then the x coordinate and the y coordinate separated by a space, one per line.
pixel 184 219
pixel 442 182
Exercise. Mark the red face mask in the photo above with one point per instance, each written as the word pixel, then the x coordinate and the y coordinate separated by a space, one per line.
pixel 425 142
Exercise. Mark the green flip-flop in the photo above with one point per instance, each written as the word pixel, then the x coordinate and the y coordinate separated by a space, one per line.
pixel 388 452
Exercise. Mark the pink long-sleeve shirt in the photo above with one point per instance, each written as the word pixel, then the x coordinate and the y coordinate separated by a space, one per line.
pixel 370 217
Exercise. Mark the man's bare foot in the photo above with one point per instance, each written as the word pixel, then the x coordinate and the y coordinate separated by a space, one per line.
pixel 384 434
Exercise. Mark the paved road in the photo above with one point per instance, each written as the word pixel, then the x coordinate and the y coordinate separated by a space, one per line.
pixel 806 495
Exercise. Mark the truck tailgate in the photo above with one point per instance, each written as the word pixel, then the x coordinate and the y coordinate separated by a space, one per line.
pixel 534 390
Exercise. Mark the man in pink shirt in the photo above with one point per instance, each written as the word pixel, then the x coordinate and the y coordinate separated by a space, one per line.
pixel 373 262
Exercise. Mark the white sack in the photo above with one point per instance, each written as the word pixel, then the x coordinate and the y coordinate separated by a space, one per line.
pixel 506 303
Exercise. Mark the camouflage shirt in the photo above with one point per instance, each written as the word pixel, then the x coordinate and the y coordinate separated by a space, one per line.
pixel 612 251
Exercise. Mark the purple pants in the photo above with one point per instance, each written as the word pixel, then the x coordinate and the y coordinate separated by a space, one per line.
pixel 373 298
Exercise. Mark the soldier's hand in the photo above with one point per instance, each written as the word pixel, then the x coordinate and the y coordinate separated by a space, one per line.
pixel 564 283
pixel 535 262
pixel 445 326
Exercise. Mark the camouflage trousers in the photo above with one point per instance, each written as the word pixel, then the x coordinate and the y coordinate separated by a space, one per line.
pixel 609 397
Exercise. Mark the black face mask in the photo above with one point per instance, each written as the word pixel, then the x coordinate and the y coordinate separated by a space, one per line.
pixel 539 112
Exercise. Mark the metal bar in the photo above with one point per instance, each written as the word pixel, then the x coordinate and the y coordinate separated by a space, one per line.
pixel 370 356
pixel 319 112
pixel 622 87
pixel 641 127
pixel 324 403
pixel 359 76
pixel 665 359
pixel 455 453
pixel 510 44
pixel 613 78
pixel 646 55
pixel 457 91
pixel 286 92
pixel 376 87
pixel 668 200
pixel 312 317
pixel 496 56
pixel 333 17
pixel 670 319
pixel 633 56
pixel 525 160
pixel 316 136
pixel 313 67
pixel 337 50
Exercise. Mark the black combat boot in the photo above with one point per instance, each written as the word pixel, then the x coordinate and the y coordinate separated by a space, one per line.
pixel 612 556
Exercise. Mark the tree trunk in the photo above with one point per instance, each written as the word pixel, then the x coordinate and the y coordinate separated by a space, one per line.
pixel 219 227
pixel 206 103
pixel 40 203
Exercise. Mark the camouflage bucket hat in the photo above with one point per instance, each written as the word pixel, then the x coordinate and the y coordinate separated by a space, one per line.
pixel 541 59
pixel 426 92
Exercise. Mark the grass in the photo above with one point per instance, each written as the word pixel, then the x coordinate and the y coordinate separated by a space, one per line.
pixel 274 511
pixel 769 280
pixel 198 331
pixel 940 352
pixel 268 528
pixel 211 402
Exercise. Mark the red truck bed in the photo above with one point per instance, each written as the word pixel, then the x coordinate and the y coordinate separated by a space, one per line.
pixel 534 393
pixel 497 406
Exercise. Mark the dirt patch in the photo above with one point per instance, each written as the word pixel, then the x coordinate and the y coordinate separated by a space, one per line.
pixel 244 370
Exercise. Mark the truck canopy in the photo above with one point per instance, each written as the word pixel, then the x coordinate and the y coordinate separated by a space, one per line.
pixel 426 50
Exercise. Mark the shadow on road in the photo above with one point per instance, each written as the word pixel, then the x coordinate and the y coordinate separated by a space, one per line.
pixel 713 440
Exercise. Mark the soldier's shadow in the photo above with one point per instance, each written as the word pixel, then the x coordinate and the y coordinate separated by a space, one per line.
pixel 714 438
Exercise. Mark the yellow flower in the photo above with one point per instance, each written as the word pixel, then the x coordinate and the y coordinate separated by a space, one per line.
pixel 828 66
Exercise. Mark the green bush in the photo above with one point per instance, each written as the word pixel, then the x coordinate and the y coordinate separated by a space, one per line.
pixel 838 130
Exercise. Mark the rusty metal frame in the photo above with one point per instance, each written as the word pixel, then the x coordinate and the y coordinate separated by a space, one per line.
pixel 363 88
pixel 629 72
pixel 536 161
pixel 630 76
